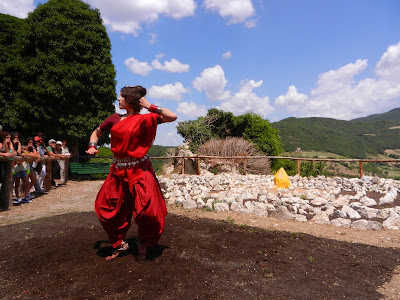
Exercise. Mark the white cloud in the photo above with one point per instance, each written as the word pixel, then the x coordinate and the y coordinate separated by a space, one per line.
pixel 153 38
pixel 213 82
pixel 173 66
pixel 338 95
pixel 389 65
pixel 191 109
pixel 338 80
pixel 126 16
pixel 250 23
pixel 138 67
pixel 144 68
pixel 17 8
pixel 227 55
pixel 291 99
pixel 238 11
pixel 167 135
pixel 168 91
pixel 246 101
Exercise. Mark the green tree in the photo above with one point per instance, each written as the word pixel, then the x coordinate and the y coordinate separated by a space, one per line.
pixel 259 131
pixel 11 29
pixel 220 124
pixel 67 79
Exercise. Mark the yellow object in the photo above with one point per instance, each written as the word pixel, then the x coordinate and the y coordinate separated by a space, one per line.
pixel 281 179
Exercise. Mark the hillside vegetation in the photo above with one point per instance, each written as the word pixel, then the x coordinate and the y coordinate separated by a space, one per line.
pixel 392 115
pixel 354 139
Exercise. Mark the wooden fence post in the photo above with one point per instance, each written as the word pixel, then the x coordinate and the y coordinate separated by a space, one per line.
pixel 298 167
pixel 47 179
pixel 183 166
pixel 198 166
pixel 6 199
pixel 361 169
pixel 66 168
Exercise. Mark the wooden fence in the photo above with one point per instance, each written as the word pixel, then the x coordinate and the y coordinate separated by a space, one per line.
pixel 298 160
pixel 7 168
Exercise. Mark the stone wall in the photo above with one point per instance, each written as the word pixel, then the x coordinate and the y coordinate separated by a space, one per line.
pixel 370 203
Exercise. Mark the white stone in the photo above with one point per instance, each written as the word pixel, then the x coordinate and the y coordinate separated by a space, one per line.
pixel 351 213
pixel 188 203
pixel 235 206
pixel 318 201
pixel 221 206
pixel 367 201
pixel 388 198
pixel 360 224
pixel 341 222
pixel 300 218
pixel 368 212
pixel 321 218
pixel 281 212
pixel 200 203
pixel 260 209
pixel 392 223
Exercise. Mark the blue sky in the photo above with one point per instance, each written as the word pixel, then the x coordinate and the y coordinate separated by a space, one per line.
pixel 279 59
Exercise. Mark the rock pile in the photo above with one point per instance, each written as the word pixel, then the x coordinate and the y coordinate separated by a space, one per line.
pixel 370 203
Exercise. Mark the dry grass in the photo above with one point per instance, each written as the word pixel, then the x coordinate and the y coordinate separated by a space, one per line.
pixel 233 146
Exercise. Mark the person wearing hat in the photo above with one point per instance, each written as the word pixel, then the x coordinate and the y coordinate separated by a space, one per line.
pixel 61 162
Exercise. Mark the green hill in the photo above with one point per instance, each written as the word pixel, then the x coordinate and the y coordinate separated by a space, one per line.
pixel 392 115
pixel 354 139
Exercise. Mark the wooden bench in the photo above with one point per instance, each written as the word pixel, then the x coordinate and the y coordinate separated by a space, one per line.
pixel 89 168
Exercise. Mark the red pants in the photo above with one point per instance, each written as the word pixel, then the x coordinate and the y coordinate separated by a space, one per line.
pixel 131 192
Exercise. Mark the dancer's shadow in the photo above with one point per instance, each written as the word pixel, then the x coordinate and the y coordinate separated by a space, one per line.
pixel 152 252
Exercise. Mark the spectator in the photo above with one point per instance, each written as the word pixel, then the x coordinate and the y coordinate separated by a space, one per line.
pixel 20 173
pixel 40 167
pixel 4 145
pixel 65 152
pixel 55 167
pixel 15 139
pixel 32 153
pixel 8 143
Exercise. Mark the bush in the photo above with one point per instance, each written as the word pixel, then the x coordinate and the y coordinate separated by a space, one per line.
pixel 287 164
pixel 231 146
pixel 310 168
pixel 234 146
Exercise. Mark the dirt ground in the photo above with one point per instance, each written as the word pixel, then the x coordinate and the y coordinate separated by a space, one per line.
pixel 54 248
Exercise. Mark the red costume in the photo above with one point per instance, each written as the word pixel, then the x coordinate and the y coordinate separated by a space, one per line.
pixel 131 187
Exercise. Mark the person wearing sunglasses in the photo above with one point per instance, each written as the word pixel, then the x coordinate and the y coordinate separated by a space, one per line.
pixel 131 188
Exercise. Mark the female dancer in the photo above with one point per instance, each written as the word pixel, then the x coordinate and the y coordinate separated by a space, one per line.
pixel 131 187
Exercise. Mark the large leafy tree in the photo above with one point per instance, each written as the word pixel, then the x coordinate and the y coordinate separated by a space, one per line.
pixel 67 79
pixel 11 29
pixel 220 124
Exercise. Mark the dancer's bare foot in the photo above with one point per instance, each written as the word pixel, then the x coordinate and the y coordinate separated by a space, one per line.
pixel 124 247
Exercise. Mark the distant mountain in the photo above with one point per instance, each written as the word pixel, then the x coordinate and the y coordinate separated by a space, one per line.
pixel 354 139
pixel 392 115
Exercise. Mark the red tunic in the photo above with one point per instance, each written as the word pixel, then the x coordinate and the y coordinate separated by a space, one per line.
pixel 132 190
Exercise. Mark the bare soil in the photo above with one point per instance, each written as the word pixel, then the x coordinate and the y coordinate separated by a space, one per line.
pixel 54 248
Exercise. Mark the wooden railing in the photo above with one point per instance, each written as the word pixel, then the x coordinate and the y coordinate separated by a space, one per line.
pixel 244 160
